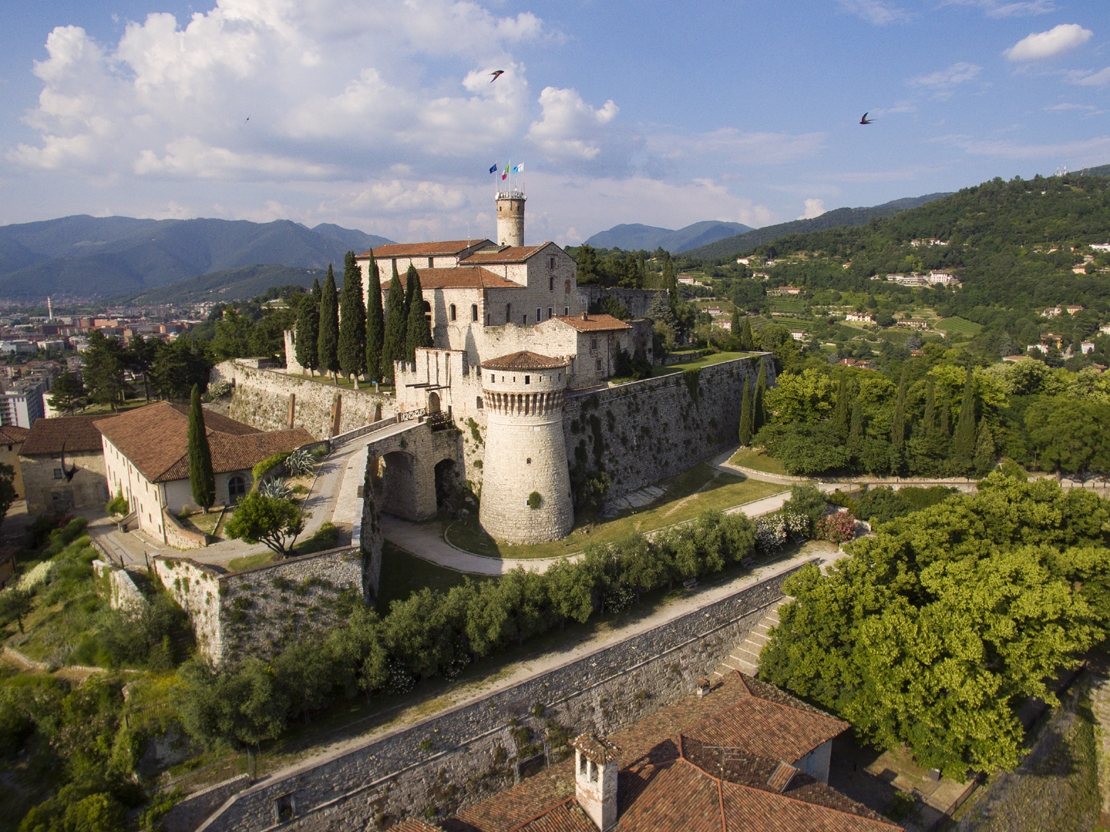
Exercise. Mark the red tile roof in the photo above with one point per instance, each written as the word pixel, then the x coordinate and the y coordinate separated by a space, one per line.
pixel 524 360
pixel 509 254
pixel 441 249
pixel 669 780
pixel 592 323
pixel 234 445
pixel 463 277
pixel 79 433
pixel 12 434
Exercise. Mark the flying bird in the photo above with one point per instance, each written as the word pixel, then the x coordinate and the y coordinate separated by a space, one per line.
pixel 865 119
pixel 68 472
pixel 497 73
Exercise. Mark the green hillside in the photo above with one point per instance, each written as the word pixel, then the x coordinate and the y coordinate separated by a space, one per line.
pixel 229 285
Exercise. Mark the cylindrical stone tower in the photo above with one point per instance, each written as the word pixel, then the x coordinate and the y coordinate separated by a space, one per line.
pixel 525 483
pixel 510 218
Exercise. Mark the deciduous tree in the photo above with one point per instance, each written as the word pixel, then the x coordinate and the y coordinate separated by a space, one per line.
pixel 273 521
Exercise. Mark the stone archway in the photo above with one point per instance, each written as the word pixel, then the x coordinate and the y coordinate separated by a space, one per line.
pixel 433 403
pixel 398 485
pixel 447 484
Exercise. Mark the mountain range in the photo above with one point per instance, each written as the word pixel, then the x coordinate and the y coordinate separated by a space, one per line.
pixel 122 257
pixel 635 237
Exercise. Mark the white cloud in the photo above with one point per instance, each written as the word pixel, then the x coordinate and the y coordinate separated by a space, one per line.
pixel 814 208
pixel 1068 106
pixel 878 12
pixel 943 81
pixel 738 147
pixel 994 8
pixel 1087 151
pixel 571 128
pixel 1093 79
pixel 1042 45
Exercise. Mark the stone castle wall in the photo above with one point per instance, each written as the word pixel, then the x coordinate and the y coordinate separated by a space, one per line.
pixel 636 301
pixel 260 611
pixel 642 432
pixel 272 400
pixel 116 585
pixel 462 755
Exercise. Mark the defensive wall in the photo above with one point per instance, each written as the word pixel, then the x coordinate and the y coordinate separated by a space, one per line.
pixel 259 611
pixel 636 301
pixel 271 400
pixel 463 754
pixel 116 585
pixel 644 431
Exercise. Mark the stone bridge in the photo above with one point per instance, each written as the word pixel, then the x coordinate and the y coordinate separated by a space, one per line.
pixel 413 467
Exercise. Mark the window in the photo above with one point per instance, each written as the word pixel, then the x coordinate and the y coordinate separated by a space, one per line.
pixel 429 262
pixel 593 343
pixel 551 262
pixel 583 764
pixel 524 319
pixel 599 365
pixel 487 319
pixel 57 473
pixel 236 489
pixel 566 287
pixel 551 284
pixel 566 311
pixel 527 379
pixel 508 312
pixel 539 314
pixel 452 311
pixel 550 313
pixel 479 404
pixel 474 312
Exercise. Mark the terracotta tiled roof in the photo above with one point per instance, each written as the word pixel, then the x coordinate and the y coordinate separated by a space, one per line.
pixel 670 780
pixel 441 249
pixel 592 323
pixel 509 254
pixel 234 446
pixel 524 360
pixel 463 277
pixel 79 433
pixel 416 825
pixel 12 434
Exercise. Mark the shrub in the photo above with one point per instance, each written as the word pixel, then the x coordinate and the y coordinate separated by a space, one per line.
pixel 837 528
pixel 299 463
pixel 118 505
pixel 534 500
pixel 326 537
pixel 267 465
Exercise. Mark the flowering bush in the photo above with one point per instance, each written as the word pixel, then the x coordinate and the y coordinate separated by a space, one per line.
pixel 837 528
pixel 770 532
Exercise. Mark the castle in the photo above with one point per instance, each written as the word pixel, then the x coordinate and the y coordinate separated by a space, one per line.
pixel 518 362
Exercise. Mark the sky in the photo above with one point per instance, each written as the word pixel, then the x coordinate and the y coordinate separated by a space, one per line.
pixel 381 115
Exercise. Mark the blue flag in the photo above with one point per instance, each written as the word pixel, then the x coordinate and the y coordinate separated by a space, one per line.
pixel 494 168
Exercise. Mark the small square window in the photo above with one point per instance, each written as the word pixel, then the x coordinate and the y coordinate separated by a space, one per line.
pixel 599 365
pixel 527 379
pixel 57 473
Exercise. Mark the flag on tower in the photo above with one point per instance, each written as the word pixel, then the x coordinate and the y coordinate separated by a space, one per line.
pixel 505 173
pixel 494 168
pixel 518 168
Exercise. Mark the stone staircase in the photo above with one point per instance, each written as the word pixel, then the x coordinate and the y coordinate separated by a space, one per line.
pixel 745 657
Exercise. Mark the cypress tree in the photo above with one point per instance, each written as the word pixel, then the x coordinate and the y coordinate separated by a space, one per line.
pixel 201 478
pixel 393 345
pixel 963 443
pixel 746 414
pixel 308 330
pixel 898 429
pixel 669 281
pixel 759 406
pixel 327 347
pixel 352 321
pixel 418 332
pixel 855 433
pixel 375 322
pixel 747 340
pixel 930 422
pixel 944 430
pixel 985 452
pixel 841 414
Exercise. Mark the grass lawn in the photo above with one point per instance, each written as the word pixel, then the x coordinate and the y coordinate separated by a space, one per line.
pixel 404 574
pixel 758 460
pixel 342 382
pixel 251 561
pixel 958 326
pixel 205 523
pixel 687 495
pixel 698 363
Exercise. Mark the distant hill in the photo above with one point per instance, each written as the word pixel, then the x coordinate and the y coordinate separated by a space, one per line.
pixel 84 256
pixel 838 218
pixel 648 237
pixel 1101 170
pixel 231 284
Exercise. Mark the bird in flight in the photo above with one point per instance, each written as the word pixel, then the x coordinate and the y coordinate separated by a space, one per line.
pixel 497 73
pixel 865 119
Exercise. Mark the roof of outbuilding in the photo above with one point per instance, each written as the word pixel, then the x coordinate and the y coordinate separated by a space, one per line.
pixel 672 780
pixel 463 277
pixel 524 360
pixel 12 434
pixel 444 248
pixel 592 323
pixel 78 433
pixel 234 445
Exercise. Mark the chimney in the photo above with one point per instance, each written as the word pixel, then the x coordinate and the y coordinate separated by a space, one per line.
pixel 585 317
pixel 595 779
pixel 703 687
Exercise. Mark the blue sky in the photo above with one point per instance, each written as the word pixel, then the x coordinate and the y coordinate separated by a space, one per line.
pixel 379 114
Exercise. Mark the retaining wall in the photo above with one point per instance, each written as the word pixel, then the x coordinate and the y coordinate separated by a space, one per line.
pixel 462 755
pixel 115 584
pixel 260 611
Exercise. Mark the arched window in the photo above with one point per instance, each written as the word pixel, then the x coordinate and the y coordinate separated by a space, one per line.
pixel 236 489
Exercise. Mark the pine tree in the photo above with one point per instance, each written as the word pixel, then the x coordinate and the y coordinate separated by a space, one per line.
pixel 308 330
pixel 759 400
pixel 393 344
pixel 963 443
pixel 327 347
pixel 985 451
pixel 746 414
pixel 201 478
pixel 898 428
pixel 747 340
pixel 352 321
pixel 855 433
pixel 842 413
pixel 375 322
pixel 418 332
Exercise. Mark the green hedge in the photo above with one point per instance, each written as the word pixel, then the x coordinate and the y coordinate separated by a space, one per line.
pixel 267 465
